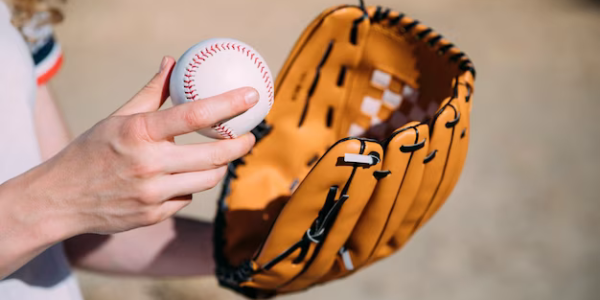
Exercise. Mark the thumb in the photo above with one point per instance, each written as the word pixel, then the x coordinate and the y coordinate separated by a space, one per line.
pixel 152 96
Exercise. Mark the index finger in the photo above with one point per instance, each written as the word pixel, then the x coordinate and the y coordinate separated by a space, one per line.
pixel 193 116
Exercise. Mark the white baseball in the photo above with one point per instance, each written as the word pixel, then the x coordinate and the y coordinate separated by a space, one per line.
pixel 218 65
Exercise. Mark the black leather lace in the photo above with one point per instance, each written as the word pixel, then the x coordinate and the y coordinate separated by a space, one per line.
pixel 381 14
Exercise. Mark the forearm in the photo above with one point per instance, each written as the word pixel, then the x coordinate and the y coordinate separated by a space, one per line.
pixel 175 247
pixel 27 225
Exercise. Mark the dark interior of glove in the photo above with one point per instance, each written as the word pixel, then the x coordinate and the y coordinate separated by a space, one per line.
pixel 423 80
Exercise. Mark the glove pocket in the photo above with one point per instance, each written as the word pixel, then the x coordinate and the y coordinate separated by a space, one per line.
pixel 317 220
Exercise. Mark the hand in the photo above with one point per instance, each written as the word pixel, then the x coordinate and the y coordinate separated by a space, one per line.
pixel 127 172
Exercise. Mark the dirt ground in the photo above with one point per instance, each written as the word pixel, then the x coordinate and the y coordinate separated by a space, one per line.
pixel 524 220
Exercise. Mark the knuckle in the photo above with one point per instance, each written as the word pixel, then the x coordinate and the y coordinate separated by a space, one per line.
pixel 249 143
pixel 219 156
pixel 145 170
pixel 215 178
pixel 118 133
pixel 226 151
pixel 148 194
pixel 144 164
pixel 152 216
pixel 195 116
pixel 135 128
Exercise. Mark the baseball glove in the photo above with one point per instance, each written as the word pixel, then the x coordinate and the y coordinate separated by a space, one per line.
pixel 367 138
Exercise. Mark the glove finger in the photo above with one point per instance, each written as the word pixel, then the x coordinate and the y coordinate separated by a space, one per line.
pixel 441 142
pixel 407 191
pixel 341 229
pixel 464 92
pixel 458 153
pixel 397 185
pixel 312 227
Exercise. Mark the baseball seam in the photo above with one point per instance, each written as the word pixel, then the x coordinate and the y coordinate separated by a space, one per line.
pixel 189 82
pixel 224 131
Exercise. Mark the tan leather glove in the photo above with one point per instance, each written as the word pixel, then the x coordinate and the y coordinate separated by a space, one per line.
pixel 367 138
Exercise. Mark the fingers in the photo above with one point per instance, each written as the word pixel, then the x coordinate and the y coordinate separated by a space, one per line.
pixel 189 183
pixel 199 157
pixel 174 192
pixel 169 208
pixel 153 95
pixel 192 116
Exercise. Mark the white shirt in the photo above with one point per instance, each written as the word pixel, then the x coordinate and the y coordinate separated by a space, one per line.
pixel 48 276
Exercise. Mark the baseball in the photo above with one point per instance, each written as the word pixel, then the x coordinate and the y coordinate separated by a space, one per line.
pixel 218 65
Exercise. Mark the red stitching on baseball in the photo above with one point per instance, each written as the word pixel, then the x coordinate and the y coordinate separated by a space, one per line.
pixel 194 64
pixel 223 131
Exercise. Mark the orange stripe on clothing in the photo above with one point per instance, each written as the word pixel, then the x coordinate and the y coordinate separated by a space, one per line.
pixel 44 78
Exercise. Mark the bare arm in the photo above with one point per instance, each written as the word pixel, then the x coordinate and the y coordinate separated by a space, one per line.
pixel 50 126
pixel 123 173
pixel 175 247
pixel 26 230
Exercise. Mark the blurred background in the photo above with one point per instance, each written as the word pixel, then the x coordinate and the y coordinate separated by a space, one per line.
pixel 524 220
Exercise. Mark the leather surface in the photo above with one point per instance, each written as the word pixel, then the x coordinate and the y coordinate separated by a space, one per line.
pixel 293 208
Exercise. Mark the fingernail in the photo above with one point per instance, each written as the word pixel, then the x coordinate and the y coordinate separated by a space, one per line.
pixel 163 64
pixel 251 96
